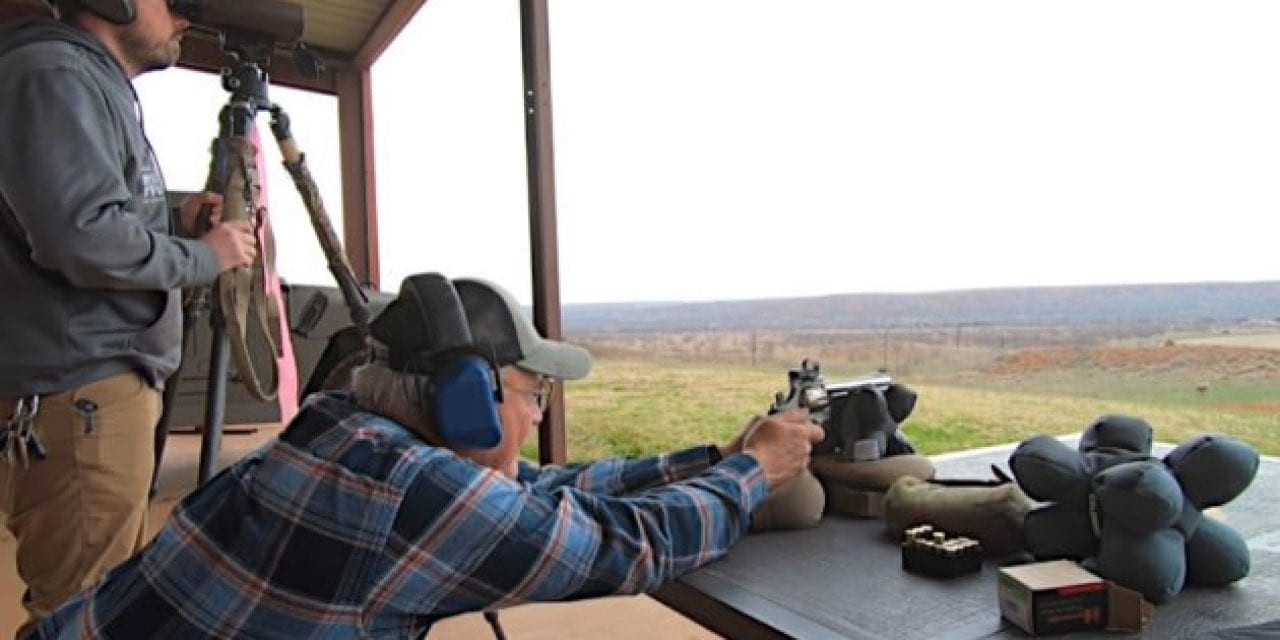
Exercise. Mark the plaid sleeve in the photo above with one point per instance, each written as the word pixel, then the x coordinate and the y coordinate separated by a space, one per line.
pixel 619 476
pixel 485 541
pixel 346 526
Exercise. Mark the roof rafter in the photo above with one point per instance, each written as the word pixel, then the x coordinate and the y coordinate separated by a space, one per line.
pixel 393 20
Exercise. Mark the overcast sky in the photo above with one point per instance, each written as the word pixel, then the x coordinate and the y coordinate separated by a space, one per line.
pixel 725 149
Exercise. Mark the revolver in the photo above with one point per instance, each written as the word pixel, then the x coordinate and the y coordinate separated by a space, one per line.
pixel 805 389
pixel 860 417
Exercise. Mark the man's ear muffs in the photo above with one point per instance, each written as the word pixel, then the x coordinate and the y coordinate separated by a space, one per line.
pixel 425 331
pixel 462 403
pixel 115 11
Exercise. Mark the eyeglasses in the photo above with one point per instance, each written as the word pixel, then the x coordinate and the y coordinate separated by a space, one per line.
pixel 541 395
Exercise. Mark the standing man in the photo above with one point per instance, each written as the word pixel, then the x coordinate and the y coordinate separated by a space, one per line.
pixel 90 267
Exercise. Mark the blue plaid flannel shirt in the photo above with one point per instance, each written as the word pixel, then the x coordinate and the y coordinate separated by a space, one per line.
pixel 347 526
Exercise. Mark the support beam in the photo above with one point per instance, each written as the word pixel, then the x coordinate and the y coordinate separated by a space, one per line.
pixel 540 161
pixel 393 20
pixel 359 196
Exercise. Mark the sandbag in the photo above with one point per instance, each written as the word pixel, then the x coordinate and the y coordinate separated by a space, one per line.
pixel 871 475
pixel 992 515
pixel 856 489
pixel 797 504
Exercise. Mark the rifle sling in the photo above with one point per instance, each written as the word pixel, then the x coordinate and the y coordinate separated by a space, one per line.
pixel 242 288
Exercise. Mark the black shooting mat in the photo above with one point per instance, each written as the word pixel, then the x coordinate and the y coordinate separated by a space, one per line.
pixel 844 578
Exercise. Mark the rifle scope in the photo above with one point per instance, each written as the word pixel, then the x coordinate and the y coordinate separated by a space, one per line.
pixel 282 22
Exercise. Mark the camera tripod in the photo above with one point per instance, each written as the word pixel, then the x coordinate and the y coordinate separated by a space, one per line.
pixel 234 173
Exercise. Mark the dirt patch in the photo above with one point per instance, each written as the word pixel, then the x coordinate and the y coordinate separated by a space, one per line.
pixel 1209 361
pixel 1262 340
pixel 1265 408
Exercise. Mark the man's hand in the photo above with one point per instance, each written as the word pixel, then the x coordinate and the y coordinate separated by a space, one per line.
pixel 781 443
pixel 189 213
pixel 233 243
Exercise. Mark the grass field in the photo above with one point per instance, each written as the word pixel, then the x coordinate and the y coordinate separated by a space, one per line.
pixel 633 406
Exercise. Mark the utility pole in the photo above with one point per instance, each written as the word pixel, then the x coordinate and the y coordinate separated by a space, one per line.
pixel 884 351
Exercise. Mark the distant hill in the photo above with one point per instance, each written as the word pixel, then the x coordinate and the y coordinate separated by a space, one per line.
pixel 1122 304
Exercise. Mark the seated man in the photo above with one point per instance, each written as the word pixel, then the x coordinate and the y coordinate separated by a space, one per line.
pixel 362 520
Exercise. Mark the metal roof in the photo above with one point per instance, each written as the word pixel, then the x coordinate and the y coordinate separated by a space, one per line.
pixel 347 34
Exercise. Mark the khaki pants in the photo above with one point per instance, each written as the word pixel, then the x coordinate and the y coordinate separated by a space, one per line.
pixel 84 509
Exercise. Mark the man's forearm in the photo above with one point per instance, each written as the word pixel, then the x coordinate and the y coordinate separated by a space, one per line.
pixel 568 543
pixel 620 476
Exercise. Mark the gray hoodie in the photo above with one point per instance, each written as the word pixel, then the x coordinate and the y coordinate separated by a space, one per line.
pixel 89 268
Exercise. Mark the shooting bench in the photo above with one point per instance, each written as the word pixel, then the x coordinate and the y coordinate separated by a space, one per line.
pixel 844 579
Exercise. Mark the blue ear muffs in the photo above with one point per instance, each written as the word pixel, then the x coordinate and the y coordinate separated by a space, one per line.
pixel 462 404
pixel 426 333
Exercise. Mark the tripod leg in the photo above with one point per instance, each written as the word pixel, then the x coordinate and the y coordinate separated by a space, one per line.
pixel 162 430
pixel 215 397
pixel 170 400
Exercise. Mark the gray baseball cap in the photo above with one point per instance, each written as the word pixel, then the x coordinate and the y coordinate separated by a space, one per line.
pixel 500 327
